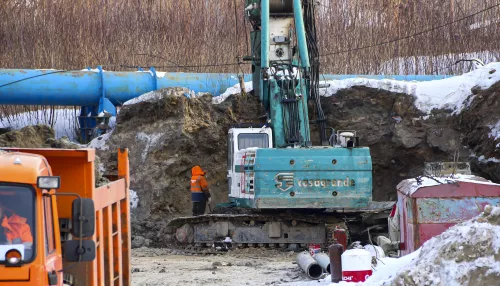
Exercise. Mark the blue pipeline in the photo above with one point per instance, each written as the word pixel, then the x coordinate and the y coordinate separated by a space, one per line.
pixel 86 88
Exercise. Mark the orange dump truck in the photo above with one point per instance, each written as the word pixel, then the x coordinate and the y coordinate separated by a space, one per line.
pixel 56 226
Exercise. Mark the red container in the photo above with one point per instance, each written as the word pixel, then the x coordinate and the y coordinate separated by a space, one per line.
pixel 341 236
pixel 314 248
pixel 356 265
pixel 430 209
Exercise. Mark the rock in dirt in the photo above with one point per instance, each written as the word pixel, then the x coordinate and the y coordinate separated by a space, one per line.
pixel 139 241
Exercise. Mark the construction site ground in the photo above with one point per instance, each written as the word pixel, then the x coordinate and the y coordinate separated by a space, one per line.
pixel 248 266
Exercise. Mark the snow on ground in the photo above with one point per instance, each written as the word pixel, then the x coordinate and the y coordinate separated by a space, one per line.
pixel 150 140
pixel 154 96
pixel 483 159
pixel 65 121
pixel 384 271
pixel 495 131
pixel 445 93
pixel 134 199
pixel 232 90
pixel 410 186
pixel 100 142
pixel 465 254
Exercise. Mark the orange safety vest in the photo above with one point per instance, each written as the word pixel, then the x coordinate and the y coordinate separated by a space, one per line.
pixel 16 227
pixel 199 186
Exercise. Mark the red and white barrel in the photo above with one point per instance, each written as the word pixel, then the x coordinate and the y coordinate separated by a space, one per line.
pixel 356 265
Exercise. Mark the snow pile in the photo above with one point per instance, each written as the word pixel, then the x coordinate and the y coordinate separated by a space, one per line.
pixel 150 140
pixel 445 93
pixel 134 199
pixel 65 121
pixel 483 159
pixel 449 93
pixel 384 271
pixel 155 96
pixel 100 142
pixel 232 90
pixel 495 132
pixel 410 186
pixel 466 254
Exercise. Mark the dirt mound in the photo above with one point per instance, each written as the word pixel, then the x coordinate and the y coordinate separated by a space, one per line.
pixel 43 136
pixel 399 137
pixel 167 134
pixel 466 254
pixel 27 137
pixel 481 123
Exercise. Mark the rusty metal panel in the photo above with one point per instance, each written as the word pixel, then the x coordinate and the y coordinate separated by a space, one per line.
pixel 449 210
pixel 429 230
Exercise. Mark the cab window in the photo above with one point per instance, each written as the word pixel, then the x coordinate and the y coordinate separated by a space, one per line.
pixel 17 221
pixel 253 140
pixel 49 225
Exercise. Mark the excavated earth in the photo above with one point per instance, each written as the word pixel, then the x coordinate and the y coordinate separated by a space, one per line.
pixel 168 133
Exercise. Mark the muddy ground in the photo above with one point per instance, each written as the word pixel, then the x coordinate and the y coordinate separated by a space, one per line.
pixel 239 267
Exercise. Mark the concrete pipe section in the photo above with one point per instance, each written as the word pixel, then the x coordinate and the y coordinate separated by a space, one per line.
pixel 309 265
pixel 323 260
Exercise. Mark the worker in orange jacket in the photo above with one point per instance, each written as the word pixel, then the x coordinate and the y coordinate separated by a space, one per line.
pixel 14 229
pixel 200 193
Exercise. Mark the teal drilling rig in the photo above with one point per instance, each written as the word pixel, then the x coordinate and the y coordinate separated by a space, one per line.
pixel 282 189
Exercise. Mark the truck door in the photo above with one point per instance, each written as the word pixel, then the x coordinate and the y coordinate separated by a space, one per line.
pixel 54 260
pixel 230 158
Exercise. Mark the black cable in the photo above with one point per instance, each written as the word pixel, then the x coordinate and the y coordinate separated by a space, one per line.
pixel 193 66
pixel 312 45
pixel 23 79
pixel 413 35
pixel 183 66
pixel 160 57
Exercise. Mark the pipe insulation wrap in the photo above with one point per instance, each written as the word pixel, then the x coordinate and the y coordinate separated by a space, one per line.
pixel 309 265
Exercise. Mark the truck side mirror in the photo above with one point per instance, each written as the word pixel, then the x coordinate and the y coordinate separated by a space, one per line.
pixel 83 216
pixel 72 250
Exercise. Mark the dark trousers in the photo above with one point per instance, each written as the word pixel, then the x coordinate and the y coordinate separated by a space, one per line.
pixel 199 208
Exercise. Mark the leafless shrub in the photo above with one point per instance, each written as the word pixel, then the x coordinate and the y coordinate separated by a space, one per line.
pixel 74 34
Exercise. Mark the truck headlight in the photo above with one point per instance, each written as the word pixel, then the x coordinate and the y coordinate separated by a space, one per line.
pixel 48 182
pixel 13 256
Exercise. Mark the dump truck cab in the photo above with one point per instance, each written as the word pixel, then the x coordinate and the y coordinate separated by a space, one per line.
pixel 27 226
pixel 49 210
